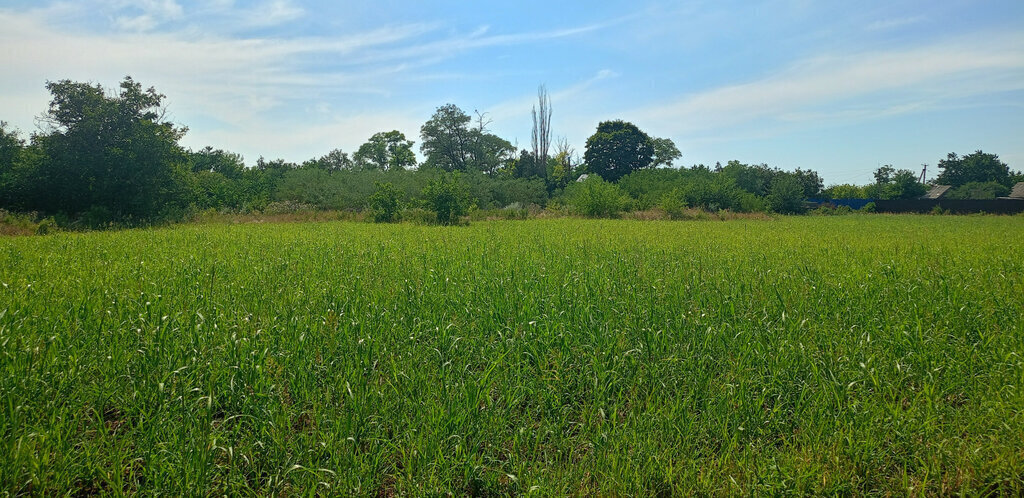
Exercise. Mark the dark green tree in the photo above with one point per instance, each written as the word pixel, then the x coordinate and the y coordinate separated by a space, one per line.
pixel 976 167
pixel 112 152
pixel 617 149
pixel 446 139
pixel 385 203
pixel 489 153
pixel 979 190
pixel 335 160
pixel 10 154
pixel 229 164
pixel 786 195
pixel 904 185
pixel 891 183
pixel 809 181
pixel 387 150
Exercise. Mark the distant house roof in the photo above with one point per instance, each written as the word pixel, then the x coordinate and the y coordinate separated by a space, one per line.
pixel 583 177
pixel 936 192
pixel 1017 192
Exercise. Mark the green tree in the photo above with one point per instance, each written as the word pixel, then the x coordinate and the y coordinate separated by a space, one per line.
pixel 787 195
pixel 891 183
pixel 809 181
pixel 448 197
pixel 335 160
pixel 904 185
pixel 10 153
pixel 229 164
pixel 844 191
pixel 884 174
pixel 596 198
pixel 489 153
pixel 386 150
pixel 665 152
pixel 114 152
pixel 385 203
pixel 616 149
pixel 976 167
pixel 979 190
pixel 446 139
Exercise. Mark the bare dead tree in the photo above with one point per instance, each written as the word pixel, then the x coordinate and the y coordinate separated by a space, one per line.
pixel 541 138
pixel 482 121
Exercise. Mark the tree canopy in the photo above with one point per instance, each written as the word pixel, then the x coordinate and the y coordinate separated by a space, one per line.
pixel 109 150
pixel 976 167
pixel 386 150
pixel 617 149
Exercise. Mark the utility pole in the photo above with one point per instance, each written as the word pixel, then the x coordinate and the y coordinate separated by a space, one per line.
pixel 924 173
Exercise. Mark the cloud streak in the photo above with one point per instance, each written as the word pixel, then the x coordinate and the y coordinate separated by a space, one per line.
pixel 906 80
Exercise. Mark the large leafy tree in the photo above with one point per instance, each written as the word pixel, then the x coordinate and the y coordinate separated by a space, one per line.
pixel 450 144
pixel 113 151
pixel 388 150
pixel 335 160
pixel 10 152
pixel 976 167
pixel 208 159
pixel 489 153
pixel 617 149
pixel 446 139
pixel 665 152
pixel 891 183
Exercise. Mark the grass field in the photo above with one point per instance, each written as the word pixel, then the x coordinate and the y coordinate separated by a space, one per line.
pixel 839 355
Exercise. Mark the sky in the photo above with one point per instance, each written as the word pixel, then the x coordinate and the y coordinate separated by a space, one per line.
pixel 835 86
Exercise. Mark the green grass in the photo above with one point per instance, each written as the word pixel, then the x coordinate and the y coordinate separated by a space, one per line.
pixel 839 355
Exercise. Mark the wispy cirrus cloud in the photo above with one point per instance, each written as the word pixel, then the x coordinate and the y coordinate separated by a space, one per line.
pixel 839 86
pixel 237 89
pixel 895 22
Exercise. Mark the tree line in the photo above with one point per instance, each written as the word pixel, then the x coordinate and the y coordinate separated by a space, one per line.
pixel 102 157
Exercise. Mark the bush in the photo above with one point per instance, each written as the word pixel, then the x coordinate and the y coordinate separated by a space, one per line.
pixel 868 208
pixel 831 210
pixel 385 203
pixel 419 216
pixel 448 197
pixel 98 217
pixel 596 198
pixel 786 195
pixel 45 226
pixel 674 204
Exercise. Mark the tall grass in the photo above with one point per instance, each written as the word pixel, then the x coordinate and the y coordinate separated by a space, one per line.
pixel 839 355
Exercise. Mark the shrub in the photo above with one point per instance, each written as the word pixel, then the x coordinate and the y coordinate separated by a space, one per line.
pixel 385 203
pixel 786 195
pixel 596 198
pixel 448 197
pixel 674 203
pixel 868 208
pixel 418 216
pixel 45 226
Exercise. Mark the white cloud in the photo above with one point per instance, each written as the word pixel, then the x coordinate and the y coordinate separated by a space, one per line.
pixel 234 92
pixel 272 13
pixel 908 80
pixel 893 23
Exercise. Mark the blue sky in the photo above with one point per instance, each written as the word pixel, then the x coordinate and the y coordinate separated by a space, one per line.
pixel 838 87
